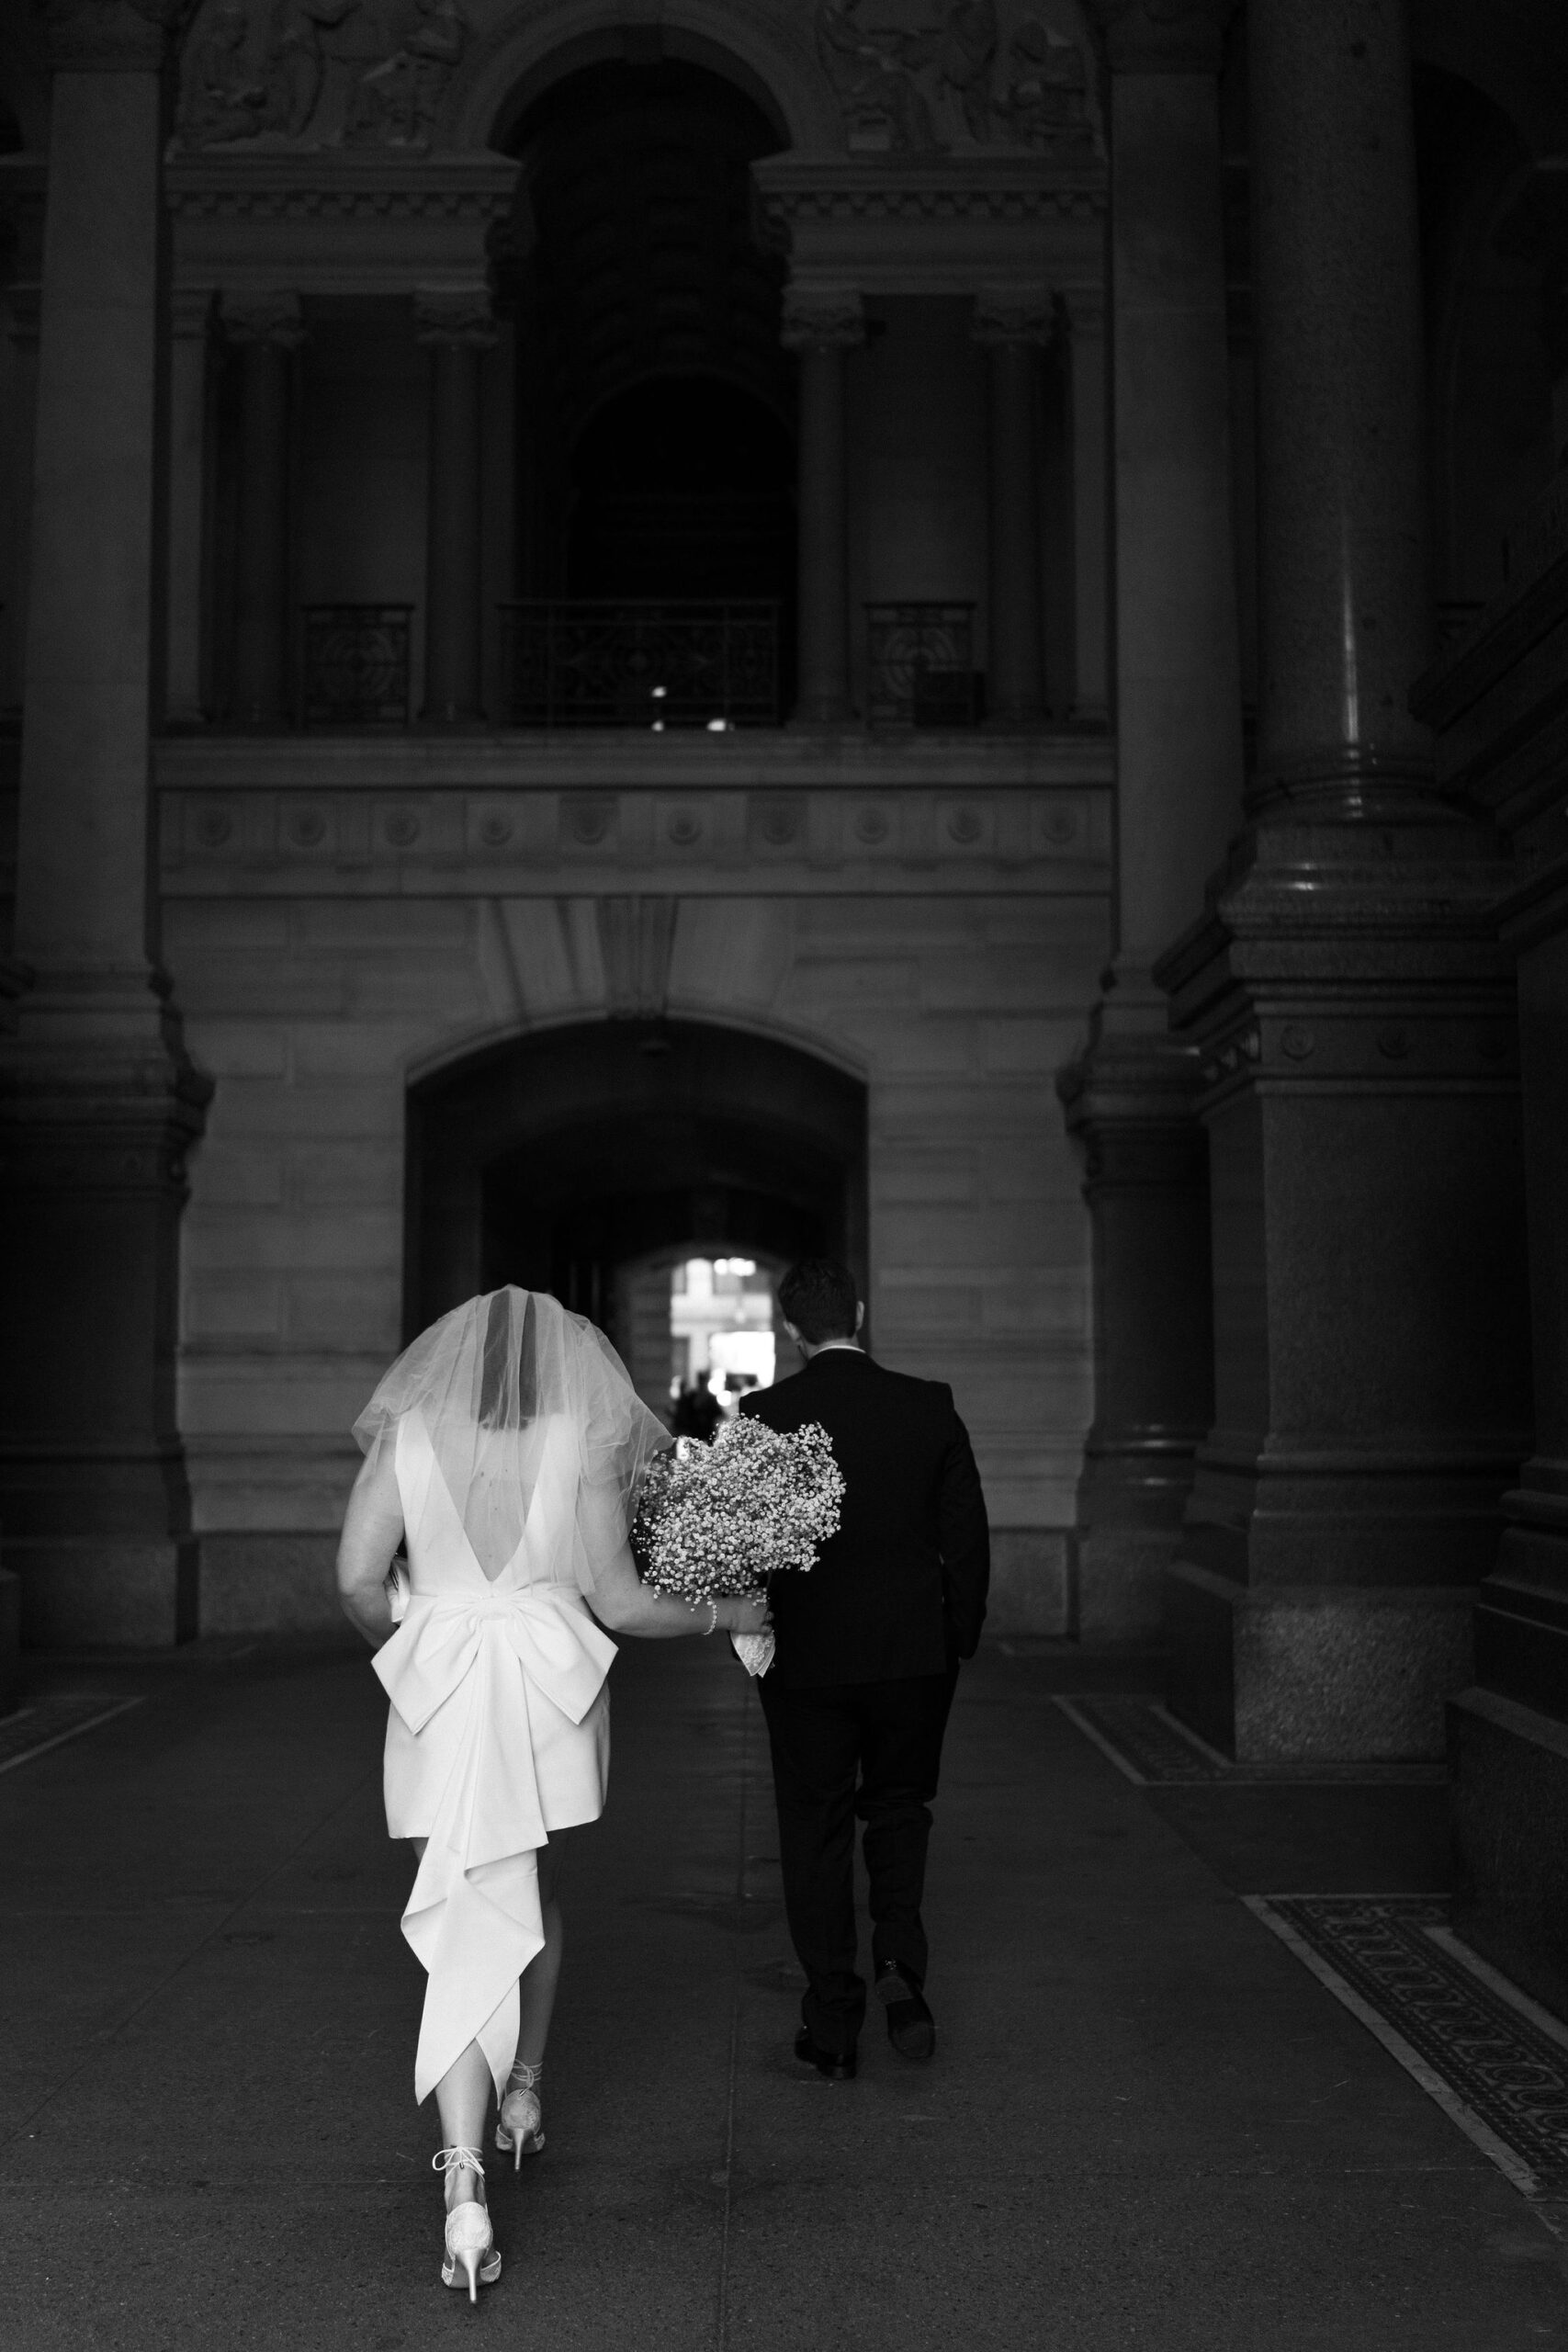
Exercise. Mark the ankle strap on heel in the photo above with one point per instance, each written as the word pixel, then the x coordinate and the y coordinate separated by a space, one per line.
pixel 457 2160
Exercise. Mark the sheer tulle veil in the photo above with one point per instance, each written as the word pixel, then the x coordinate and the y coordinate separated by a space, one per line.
pixel 515 1391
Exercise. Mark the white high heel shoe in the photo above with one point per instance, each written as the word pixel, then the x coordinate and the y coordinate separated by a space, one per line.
pixel 519 2126
pixel 471 2242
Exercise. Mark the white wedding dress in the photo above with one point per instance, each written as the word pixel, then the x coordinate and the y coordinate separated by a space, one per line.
pixel 498 1734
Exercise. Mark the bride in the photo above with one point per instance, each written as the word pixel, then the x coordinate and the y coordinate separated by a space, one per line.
pixel 505 1449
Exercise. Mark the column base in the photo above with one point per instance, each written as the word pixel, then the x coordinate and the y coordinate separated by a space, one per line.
pixel 1510 1801
pixel 108 1592
pixel 269 1583
pixel 1121 1581
pixel 1315 1674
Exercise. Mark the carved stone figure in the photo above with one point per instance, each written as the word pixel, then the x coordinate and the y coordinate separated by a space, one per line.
pixel 882 107
pixel 224 98
pixel 960 50
pixel 1046 100
pixel 325 72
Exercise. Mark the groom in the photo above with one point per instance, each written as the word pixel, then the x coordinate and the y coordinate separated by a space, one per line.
pixel 868 1645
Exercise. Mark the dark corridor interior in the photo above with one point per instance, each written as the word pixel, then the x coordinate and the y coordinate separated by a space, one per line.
pixel 656 403
pixel 556 1159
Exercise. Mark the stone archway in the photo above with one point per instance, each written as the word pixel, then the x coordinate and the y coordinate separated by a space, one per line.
pixel 558 1158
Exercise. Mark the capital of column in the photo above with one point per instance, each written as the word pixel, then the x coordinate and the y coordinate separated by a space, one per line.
pixel 271 317
pixel 455 316
pixel 1004 315
pixel 825 322
pixel 1161 36
pixel 113 36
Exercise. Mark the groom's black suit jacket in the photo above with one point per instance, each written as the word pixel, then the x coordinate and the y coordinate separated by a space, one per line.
pixel 901 1588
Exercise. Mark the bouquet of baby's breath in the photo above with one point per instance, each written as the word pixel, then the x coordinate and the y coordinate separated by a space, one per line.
pixel 716 1521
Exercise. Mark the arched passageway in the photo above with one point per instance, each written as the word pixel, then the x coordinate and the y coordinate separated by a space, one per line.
pixel 557 1160
pixel 655 401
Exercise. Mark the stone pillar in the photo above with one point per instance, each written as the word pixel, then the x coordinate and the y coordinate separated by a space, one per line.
pixel 1131 1099
pixel 190 340
pixel 267 330
pixel 1012 327
pixel 98 1099
pixel 16 487
pixel 821 329
pixel 1083 309
pixel 1346 994
pixel 456 329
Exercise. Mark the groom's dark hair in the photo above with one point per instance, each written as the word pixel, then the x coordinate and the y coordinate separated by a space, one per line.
pixel 818 1296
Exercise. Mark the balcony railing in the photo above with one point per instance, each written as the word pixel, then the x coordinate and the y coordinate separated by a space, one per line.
pixel 355 667
pixel 920 665
pixel 654 662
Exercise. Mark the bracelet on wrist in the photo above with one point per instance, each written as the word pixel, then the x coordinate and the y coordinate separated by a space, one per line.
pixel 712 1625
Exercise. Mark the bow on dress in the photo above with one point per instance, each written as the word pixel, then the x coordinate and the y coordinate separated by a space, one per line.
pixel 484 1672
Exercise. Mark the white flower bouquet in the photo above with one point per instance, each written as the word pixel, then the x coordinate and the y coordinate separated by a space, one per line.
pixel 716 1521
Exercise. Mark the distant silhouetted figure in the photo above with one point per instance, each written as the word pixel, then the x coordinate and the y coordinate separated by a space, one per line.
pixel 697 1413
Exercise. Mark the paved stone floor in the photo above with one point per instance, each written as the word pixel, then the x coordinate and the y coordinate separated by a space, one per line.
pixel 1147 2126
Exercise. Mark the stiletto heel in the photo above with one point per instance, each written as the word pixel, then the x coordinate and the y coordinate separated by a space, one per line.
pixel 471 2243
pixel 519 2126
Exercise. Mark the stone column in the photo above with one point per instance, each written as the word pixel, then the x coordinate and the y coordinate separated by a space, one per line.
pixel 266 329
pixel 821 329
pixel 16 487
pixel 99 1100
pixel 457 328
pixel 1012 327
pixel 1083 309
pixel 1131 1099
pixel 1344 991
pixel 190 341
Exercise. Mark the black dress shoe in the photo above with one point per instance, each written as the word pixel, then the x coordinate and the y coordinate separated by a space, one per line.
pixel 834 2065
pixel 911 2029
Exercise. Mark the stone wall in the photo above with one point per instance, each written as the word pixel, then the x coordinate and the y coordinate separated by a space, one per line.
pixel 315 991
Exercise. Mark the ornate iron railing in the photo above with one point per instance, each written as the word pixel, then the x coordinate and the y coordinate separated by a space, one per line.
pixel 355 667
pixel 648 662
pixel 920 665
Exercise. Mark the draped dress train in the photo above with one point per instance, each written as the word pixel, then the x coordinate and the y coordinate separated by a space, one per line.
pixel 498 1733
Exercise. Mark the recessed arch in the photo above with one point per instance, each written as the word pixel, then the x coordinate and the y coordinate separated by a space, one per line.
pixel 532 49
pixel 564 1154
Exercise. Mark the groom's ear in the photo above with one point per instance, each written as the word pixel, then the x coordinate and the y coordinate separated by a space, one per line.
pixel 860 1314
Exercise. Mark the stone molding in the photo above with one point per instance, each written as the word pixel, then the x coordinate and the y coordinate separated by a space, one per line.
pixel 1009 317
pixel 274 318
pixel 307 187
pixel 795 190
pixel 1162 35
pixel 318 841
pixel 822 321
pixel 455 316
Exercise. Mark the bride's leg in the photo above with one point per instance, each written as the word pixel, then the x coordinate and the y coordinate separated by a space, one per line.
pixel 463 2097
pixel 536 1986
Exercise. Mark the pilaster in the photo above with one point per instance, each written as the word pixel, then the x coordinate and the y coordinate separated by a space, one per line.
pixel 99 1100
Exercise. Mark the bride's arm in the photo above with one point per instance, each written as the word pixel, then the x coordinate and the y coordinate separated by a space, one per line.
pixel 622 1601
pixel 372 1530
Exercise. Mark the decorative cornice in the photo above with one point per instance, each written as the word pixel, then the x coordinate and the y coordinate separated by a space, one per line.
pixel 796 191
pixel 459 317
pixel 1162 35
pixel 822 321
pixel 683 839
pixel 1006 316
pixel 272 318
pixel 330 186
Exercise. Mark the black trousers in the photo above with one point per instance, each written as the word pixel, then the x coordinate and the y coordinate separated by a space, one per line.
pixel 871 1749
